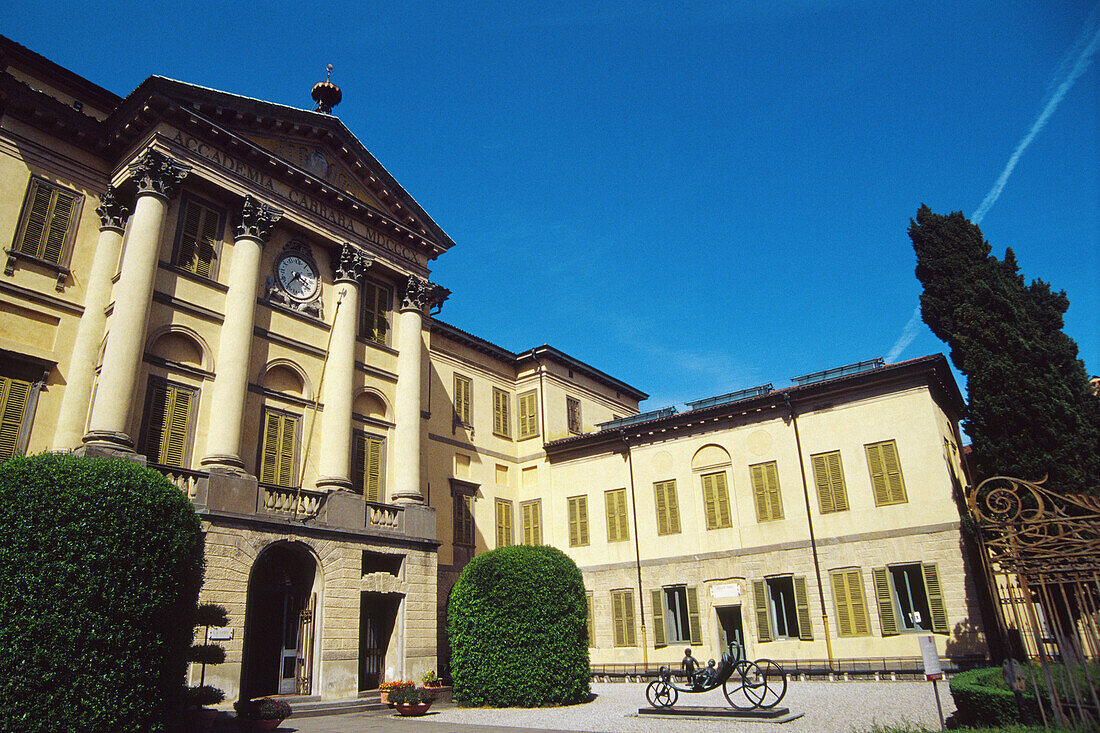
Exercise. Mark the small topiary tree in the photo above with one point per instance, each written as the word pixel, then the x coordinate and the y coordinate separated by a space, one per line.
pixel 100 567
pixel 517 621
pixel 209 615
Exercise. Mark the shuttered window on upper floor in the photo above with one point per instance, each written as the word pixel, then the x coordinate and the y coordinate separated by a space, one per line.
pixel 832 496
pixel 527 408
pixel 377 300
pixel 531 512
pixel 199 233
pixel 765 489
pixel 578 521
pixel 716 501
pixel 167 423
pixel 278 447
pixel 502 413
pixel 668 509
pixel 617 528
pixel 504 523
pixel 366 466
pixel 885 467
pixel 462 394
pixel 49 218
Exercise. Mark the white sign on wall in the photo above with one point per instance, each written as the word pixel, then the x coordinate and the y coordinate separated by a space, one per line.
pixel 729 590
pixel 216 633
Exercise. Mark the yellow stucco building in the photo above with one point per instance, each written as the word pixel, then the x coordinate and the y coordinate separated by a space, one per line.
pixel 237 293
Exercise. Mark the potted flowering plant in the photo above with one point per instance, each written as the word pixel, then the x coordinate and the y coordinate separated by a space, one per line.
pixel 412 700
pixel 388 688
pixel 262 713
pixel 431 679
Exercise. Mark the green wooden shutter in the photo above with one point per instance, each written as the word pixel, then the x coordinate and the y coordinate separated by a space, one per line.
pixel 879 485
pixel 760 603
pixel 836 481
pixel 824 488
pixel 892 466
pixel 658 597
pixel 462 398
pixel 883 594
pixel 617 529
pixel 61 215
pixel 206 247
pixel 373 478
pixel 851 608
pixel 501 419
pixel 590 626
pixel 277 455
pixel 660 492
pixel 775 502
pixel 186 250
pixel 628 617
pixel 532 529
pixel 582 520
pixel 174 437
pixel 269 457
pixel 617 619
pixel 155 420
pixel 722 498
pixel 759 493
pixel 504 523
pixel 527 407
pixel 694 626
pixel 673 506
pixel 50 211
pixel 288 426
pixel 802 605
pixel 199 235
pixel 935 599
pixel 765 486
pixel 376 308
pixel 13 405
pixel 710 501
pixel 843 605
pixel 860 624
pixel 574 522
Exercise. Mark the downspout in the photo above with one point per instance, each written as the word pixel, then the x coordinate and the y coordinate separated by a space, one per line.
pixel 637 551
pixel 810 524
pixel 542 398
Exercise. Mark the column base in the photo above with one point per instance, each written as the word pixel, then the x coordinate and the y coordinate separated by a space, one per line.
pixel 224 463
pixel 407 497
pixel 109 444
pixel 333 483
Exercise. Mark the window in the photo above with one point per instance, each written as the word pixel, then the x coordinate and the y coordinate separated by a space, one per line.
pixel 765 489
pixel 527 407
pixel 502 417
pixel 622 614
pixel 782 608
pixel 676 616
pixel 589 624
pixel 910 599
pixel 851 607
pixel 48 222
pixel 886 481
pixel 14 396
pixel 573 415
pixel 578 521
pixel 531 512
pixel 167 421
pixel 462 399
pixel 200 230
pixel 277 452
pixel 716 500
pixel 617 529
pixel 504 522
pixel 464 518
pixel 668 511
pixel 366 467
pixel 375 323
pixel 829 479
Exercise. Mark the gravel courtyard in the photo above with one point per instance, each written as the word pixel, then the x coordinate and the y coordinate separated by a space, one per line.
pixel 829 707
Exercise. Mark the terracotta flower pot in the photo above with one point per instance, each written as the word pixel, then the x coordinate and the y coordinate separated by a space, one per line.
pixel 412 710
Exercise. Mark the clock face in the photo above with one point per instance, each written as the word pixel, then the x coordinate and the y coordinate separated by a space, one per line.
pixel 297 277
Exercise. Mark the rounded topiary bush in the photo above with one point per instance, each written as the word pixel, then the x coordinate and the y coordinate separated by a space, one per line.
pixel 100 567
pixel 517 624
pixel 982 698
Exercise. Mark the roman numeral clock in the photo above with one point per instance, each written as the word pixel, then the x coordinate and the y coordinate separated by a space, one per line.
pixel 296 281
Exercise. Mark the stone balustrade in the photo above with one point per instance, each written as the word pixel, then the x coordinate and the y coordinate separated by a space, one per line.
pixel 295 502
pixel 184 479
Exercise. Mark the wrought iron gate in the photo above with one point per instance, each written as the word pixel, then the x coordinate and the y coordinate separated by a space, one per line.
pixel 1041 556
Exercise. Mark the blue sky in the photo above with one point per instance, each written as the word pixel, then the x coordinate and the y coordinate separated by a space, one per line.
pixel 693 197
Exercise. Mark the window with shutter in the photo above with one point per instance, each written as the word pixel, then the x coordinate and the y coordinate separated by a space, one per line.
pixel 504 522
pixel 910 599
pixel 502 418
pixel 573 415
pixel 936 608
pixel 462 399
pixel 277 450
pixel 693 615
pixel 589 623
pixel 578 521
pixel 886 480
pixel 760 606
pixel 716 501
pixel 527 407
pixel 366 467
pixel 464 519
pixel 832 496
pixel 375 324
pixel 802 608
pixel 167 422
pixel 532 522
pixel 49 217
pixel 851 606
pixel 14 394
pixel 765 488
pixel 668 510
pixel 658 599
pixel 887 617
pixel 200 231
pixel 622 611
pixel 617 529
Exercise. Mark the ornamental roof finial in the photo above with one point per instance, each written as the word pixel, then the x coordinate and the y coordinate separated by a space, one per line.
pixel 326 94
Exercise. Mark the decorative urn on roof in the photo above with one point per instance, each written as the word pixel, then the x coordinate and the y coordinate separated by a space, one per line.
pixel 326 94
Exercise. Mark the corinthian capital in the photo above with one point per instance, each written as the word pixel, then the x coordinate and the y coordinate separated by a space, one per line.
pixel 352 265
pixel 156 173
pixel 420 293
pixel 112 213
pixel 257 220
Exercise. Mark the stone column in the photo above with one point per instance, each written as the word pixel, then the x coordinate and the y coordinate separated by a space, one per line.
pixel 419 294
pixel 97 293
pixel 158 179
pixel 223 441
pixel 334 463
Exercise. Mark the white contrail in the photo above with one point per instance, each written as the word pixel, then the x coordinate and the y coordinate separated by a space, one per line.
pixel 1082 51
pixel 1074 64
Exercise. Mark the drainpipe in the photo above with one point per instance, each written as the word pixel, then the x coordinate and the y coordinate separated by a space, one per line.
pixel 810 524
pixel 542 397
pixel 637 551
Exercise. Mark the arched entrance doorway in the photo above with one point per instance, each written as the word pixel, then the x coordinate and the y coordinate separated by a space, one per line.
pixel 279 622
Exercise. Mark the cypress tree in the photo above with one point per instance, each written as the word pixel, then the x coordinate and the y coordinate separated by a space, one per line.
pixel 1030 411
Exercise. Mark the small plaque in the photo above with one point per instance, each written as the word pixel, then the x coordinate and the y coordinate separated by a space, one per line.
pixel 933 670
pixel 730 590
pixel 219 633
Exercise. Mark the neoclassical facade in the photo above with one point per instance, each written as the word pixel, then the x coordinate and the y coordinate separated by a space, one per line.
pixel 237 294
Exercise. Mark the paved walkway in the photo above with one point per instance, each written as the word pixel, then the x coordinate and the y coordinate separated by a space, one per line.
pixel 829 707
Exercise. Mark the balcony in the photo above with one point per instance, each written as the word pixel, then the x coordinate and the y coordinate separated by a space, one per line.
pixel 224 494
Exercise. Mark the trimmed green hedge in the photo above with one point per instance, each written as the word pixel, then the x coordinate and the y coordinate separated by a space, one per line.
pixel 517 622
pixel 982 697
pixel 100 567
